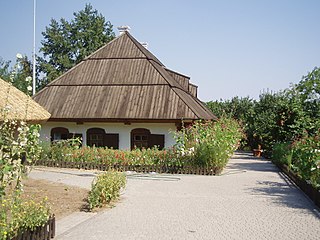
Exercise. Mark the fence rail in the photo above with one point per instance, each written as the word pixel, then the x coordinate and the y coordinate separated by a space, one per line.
pixel 45 232
pixel 137 168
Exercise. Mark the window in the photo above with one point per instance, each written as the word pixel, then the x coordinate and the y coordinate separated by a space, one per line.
pixel 142 138
pixel 59 133
pixel 99 138
pixel 139 138
pixel 95 137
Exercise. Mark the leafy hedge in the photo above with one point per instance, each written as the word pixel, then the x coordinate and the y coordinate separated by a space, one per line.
pixel 302 156
pixel 276 116
pixel 17 216
pixel 105 188
pixel 109 157
pixel 209 144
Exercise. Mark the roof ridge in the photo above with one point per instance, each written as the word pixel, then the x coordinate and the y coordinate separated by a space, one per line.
pixel 170 70
pixel 105 70
pixel 103 46
pixel 143 50
pixel 110 84
pixel 178 86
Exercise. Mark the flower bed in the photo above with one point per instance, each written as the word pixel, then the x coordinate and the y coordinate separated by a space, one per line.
pixel 44 232
pixel 302 157
pixel 18 215
pixel 306 187
pixel 173 169
pixel 106 188
pixel 202 148
pixel 300 160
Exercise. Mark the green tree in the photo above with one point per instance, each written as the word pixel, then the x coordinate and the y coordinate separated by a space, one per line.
pixel 4 69
pixel 308 91
pixel 19 75
pixel 66 43
pixel 241 109
pixel 279 117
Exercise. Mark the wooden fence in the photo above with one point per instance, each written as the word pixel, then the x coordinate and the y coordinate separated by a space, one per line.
pixel 45 232
pixel 137 168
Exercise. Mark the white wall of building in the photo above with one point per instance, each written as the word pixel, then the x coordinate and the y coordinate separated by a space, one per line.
pixel 123 130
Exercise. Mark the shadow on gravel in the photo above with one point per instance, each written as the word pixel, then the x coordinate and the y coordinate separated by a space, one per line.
pixel 256 165
pixel 285 194
pixel 152 177
pixel 69 173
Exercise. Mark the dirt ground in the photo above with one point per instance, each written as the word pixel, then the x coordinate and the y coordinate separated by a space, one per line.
pixel 63 199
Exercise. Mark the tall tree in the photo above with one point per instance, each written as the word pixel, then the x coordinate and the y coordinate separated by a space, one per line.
pixel 4 69
pixel 67 43
pixel 19 75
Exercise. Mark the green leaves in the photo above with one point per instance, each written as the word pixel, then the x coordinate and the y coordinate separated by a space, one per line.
pixel 18 74
pixel 277 117
pixel 209 144
pixel 18 143
pixel 67 43
pixel 105 188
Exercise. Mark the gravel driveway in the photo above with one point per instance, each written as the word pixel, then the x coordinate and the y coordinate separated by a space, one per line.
pixel 250 200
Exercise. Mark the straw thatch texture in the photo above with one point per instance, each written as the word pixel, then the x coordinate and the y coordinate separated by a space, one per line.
pixel 15 105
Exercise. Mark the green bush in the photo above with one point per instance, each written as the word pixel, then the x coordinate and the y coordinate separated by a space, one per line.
pixel 204 144
pixel 302 156
pixel 306 159
pixel 282 153
pixel 19 144
pixel 105 188
pixel 209 144
pixel 18 215
pixel 276 116
pixel 110 157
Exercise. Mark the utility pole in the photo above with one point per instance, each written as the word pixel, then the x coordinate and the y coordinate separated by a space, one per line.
pixel 34 50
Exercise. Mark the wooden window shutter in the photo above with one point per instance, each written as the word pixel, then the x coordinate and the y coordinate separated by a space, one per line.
pixel 111 140
pixel 156 140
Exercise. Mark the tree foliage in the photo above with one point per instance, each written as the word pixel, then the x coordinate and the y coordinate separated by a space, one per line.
pixel 19 75
pixel 66 43
pixel 4 69
pixel 277 117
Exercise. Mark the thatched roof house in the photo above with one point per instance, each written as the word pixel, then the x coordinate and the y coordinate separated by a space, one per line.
pixel 15 105
pixel 124 84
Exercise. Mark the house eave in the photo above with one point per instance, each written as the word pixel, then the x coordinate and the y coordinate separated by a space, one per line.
pixel 122 120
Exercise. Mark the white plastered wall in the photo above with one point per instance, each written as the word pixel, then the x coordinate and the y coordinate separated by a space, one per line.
pixel 123 130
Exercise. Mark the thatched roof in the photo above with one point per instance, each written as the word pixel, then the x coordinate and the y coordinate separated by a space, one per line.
pixel 15 105
pixel 122 81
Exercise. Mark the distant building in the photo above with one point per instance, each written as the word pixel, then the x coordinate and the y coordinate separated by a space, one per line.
pixel 121 96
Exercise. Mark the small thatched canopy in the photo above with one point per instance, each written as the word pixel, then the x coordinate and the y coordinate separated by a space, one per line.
pixel 15 105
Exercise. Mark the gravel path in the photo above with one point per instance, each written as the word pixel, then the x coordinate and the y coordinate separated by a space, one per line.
pixel 250 200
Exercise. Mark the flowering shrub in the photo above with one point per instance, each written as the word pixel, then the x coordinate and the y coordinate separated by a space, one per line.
pixel 209 144
pixel 303 156
pixel 110 157
pixel 306 159
pixel 17 215
pixel 105 188
pixel 18 146
pixel 204 144
pixel 282 153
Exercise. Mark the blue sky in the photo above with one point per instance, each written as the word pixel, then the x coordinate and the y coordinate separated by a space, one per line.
pixel 228 47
